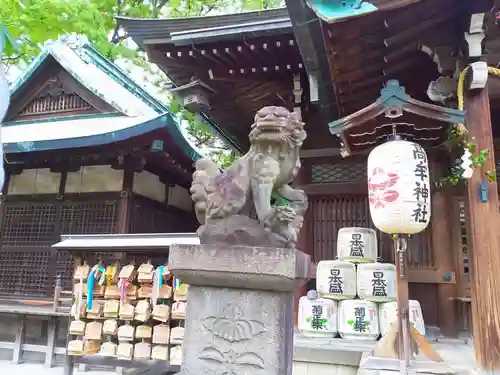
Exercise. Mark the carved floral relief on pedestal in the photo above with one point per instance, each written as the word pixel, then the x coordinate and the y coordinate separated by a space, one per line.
pixel 232 327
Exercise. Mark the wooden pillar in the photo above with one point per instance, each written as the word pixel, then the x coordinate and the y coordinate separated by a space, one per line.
pixel 485 252
pixel 303 241
pixel 444 259
pixel 18 344
pixel 124 205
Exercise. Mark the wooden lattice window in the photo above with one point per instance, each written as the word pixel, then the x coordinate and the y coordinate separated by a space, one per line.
pixel 29 224
pixel 342 172
pixel 332 213
pixel 55 104
pixel 153 217
pixel 24 273
pixel 92 217
pixel 465 249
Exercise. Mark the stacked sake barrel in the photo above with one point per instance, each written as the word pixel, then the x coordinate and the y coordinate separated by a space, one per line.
pixel 350 290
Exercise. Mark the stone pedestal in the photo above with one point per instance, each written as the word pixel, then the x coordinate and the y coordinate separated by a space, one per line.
pixel 240 307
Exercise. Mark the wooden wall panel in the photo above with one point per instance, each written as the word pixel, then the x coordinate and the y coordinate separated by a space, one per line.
pixel 331 213
pixel 427 295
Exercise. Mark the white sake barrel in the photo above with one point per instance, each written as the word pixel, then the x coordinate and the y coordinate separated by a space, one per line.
pixel 377 282
pixel 317 316
pixel 336 279
pixel 388 314
pixel 358 320
pixel 357 245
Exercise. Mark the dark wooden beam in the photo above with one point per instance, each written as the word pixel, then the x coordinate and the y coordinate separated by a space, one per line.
pixel 336 188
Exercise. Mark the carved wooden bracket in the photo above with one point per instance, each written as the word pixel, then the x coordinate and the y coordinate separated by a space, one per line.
pixel 442 89
pixel 475 35
pixel 478 75
pixel 393 101
pixel 445 58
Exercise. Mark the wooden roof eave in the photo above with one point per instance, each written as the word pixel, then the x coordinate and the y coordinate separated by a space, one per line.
pixel 308 34
pixel 393 96
pixel 165 122
pixel 154 31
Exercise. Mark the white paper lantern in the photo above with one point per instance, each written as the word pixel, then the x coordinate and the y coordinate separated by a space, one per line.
pixel 317 316
pixel 336 279
pixel 399 188
pixel 358 320
pixel 357 245
pixel 388 314
pixel 377 282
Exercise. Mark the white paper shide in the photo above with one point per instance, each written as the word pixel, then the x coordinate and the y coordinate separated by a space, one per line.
pixel 399 187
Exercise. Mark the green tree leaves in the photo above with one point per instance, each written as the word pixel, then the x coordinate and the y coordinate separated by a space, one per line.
pixel 33 22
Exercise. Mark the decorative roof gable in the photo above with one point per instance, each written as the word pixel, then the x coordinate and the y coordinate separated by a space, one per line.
pixel 97 75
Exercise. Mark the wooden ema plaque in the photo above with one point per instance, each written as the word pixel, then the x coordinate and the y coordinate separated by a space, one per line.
pixel 165 292
pixel 161 334
pixel 77 327
pixel 132 292
pixel 127 273
pixel 75 347
pixel 179 310
pixel 181 293
pixel 112 292
pixel 145 273
pixel 109 349
pixel 110 327
pixel 177 334
pixel 142 311
pixel 96 311
pixel 125 350
pixel 161 313
pixel 92 347
pixel 142 350
pixel 145 291
pixel 144 332
pixel 127 311
pixel 160 353
pixel 111 308
pixel 93 331
pixel 126 333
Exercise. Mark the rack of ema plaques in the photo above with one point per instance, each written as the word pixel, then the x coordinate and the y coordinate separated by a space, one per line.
pixel 355 296
pixel 128 314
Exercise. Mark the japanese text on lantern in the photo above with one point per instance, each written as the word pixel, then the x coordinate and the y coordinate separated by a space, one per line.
pixel 335 281
pixel 421 189
pixel 359 322
pixel 356 245
pixel 379 284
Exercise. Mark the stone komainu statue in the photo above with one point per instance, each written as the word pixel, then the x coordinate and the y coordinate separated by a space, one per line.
pixel 256 182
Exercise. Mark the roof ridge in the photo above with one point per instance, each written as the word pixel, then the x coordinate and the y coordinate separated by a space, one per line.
pixel 212 16
pixel 122 77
